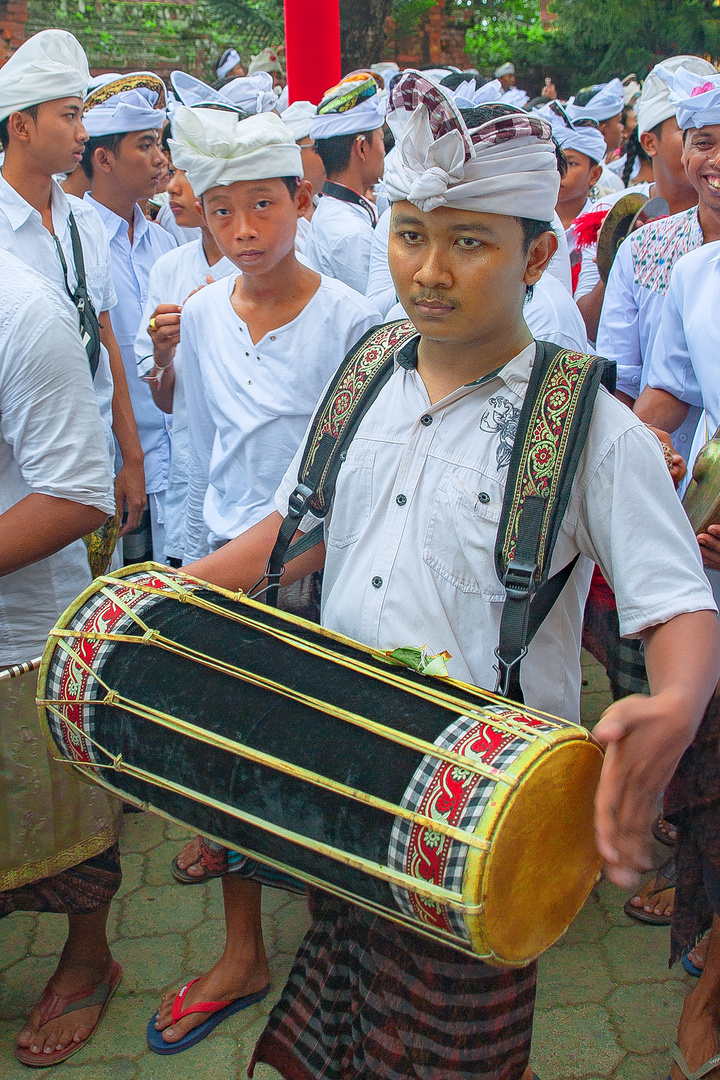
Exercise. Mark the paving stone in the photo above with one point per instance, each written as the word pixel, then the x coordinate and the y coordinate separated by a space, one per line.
pixel 216 1057
pixel 179 833
pixel 159 872
pixel 22 984
pixel 292 927
pixel 133 867
pixel 612 899
pixel 574 1042
pixel 646 1016
pixel 161 908
pixel 16 933
pixel 638 954
pixel 265 1072
pixel 572 975
pixel 593 706
pixel 643 1067
pixel 590 924
pixel 150 962
pixel 141 832
pixel 50 935
pixel 117 1069
pixel 203 946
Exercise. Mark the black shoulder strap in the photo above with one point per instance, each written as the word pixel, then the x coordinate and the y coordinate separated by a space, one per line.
pixel 358 381
pixel 346 194
pixel 552 429
pixel 89 324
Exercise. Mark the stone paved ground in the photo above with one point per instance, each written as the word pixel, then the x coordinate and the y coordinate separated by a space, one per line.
pixel 607 1004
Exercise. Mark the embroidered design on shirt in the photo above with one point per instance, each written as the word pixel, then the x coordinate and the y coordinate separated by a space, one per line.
pixel 502 417
pixel 657 247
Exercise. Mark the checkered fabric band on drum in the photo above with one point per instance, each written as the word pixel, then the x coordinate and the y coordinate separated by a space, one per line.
pixel 458 797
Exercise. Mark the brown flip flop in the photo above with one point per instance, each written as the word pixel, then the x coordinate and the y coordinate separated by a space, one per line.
pixel 214 865
pixel 665 878
pixel 53 1005
pixel 660 836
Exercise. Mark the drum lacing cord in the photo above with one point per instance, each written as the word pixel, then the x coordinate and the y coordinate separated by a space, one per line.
pixel 396 877
pixel 510 726
pixel 173 723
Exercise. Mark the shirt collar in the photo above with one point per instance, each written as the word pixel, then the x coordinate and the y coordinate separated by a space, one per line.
pixel 515 373
pixel 116 224
pixel 18 210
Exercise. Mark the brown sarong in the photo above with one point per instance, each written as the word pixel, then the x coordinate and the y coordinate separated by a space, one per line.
pixel 369 999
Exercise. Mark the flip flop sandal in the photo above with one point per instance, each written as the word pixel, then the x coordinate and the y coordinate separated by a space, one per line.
pixel 685 1068
pixel 687 963
pixel 214 864
pixel 53 1005
pixel 219 1010
pixel 658 833
pixel 664 874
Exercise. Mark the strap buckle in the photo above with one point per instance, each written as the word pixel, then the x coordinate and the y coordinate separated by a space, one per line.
pixel 504 670
pixel 519 579
pixel 297 503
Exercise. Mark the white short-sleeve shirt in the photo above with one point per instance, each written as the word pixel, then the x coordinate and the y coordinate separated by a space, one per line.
pixel 51 443
pixel 411 534
pixel 339 241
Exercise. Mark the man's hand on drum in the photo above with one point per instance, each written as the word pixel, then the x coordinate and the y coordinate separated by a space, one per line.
pixel 164 331
pixel 645 737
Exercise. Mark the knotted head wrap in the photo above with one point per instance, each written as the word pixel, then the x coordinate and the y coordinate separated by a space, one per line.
pixel 48 66
pixel 582 135
pixel 606 102
pixel 468 94
pixel 654 106
pixel 505 166
pixel 266 60
pixel 299 117
pixel 229 59
pixel 351 107
pixel 251 93
pixel 195 93
pixel 216 149
pixel 696 97
pixel 134 102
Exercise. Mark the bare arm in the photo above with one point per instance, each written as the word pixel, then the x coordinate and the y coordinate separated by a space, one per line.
pixel 241 563
pixel 659 409
pixel 130 481
pixel 40 525
pixel 165 336
pixel 646 737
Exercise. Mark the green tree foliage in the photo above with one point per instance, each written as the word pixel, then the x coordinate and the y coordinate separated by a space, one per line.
pixel 502 30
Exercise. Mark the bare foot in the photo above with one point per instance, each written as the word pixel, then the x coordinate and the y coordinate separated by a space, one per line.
pixel 698 1036
pixel 189 856
pixel 57 1034
pixel 223 982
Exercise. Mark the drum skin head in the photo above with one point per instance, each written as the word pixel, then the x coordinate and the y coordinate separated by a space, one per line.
pixel 702 498
pixel 543 862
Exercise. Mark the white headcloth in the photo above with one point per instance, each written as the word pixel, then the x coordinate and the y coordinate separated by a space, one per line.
pixel 505 69
pixel 505 166
pixel 515 96
pixel 607 102
pixel 468 94
pixel 252 93
pixel 215 149
pixel 654 106
pixel 299 117
pixel 570 135
pixel 229 59
pixel 349 108
pixel 696 97
pixel 195 93
pixel 126 104
pixel 48 66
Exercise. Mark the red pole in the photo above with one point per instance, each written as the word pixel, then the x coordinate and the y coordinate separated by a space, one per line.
pixel 312 47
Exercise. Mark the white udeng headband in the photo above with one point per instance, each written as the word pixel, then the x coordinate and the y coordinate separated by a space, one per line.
pixel 50 65
pixel 608 102
pixel 696 97
pixel 507 166
pixel 653 106
pixel 215 149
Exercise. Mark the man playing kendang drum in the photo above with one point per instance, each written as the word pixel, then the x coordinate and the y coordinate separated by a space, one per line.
pixel 408 558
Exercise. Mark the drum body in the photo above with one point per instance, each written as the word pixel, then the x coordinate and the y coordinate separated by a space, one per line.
pixel 442 807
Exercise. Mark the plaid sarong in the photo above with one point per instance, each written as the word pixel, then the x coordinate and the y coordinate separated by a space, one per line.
pixel 368 1000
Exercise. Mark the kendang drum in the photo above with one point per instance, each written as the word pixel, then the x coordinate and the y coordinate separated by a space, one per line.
pixel 440 806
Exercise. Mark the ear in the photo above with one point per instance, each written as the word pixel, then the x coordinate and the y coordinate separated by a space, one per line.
pixel 103 159
pixel 201 210
pixel 19 126
pixel 303 197
pixel 539 254
pixel 595 174
pixel 649 143
pixel 360 146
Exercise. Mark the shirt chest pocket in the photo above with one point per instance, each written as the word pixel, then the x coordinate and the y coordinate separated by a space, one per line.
pixel 460 538
pixel 353 498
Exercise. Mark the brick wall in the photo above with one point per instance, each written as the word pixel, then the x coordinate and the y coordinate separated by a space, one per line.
pixel 13 16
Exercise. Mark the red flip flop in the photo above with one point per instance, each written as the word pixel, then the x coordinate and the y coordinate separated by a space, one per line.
pixel 218 1010
pixel 53 1005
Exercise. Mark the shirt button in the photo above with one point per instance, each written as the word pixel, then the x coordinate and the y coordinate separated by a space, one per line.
pixel 426 420
pixel 483 497
pixel 376 582
pixel 401 500
pixel 272 337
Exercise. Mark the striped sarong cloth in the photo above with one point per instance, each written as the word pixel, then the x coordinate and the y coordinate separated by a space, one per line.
pixel 368 1000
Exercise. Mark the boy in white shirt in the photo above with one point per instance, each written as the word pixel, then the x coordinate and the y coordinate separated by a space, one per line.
pixel 409 550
